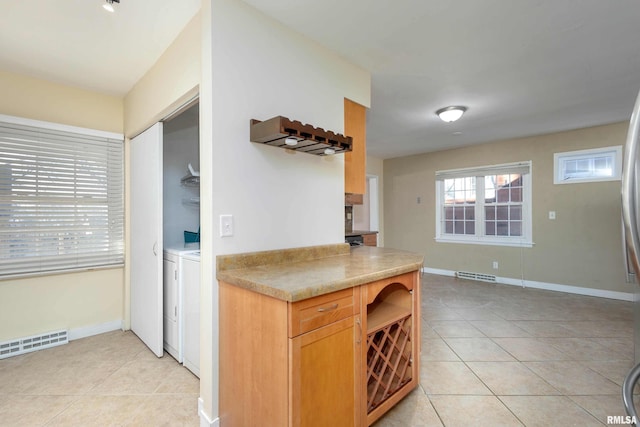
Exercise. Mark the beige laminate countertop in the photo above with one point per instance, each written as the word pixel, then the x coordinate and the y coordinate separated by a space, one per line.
pixel 297 274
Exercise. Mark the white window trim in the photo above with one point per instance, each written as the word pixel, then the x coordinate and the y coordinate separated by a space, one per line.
pixel 578 154
pixel 60 127
pixel 526 240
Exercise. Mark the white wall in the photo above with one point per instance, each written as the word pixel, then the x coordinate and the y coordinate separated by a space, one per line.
pixel 262 69
pixel 256 68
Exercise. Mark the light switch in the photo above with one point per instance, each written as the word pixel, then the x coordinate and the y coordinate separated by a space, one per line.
pixel 226 225
pixel 552 214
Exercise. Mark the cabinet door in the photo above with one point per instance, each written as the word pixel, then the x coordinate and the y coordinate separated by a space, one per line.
pixel 355 126
pixel 324 375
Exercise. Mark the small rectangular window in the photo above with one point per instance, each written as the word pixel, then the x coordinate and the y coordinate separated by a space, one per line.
pixel 600 164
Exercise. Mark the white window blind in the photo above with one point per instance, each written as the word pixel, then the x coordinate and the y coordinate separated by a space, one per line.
pixel 61 198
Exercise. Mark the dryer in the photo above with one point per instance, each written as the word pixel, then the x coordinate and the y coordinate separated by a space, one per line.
pixel 174 284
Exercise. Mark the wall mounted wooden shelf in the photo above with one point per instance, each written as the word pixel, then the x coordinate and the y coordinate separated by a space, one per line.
pixel 311 140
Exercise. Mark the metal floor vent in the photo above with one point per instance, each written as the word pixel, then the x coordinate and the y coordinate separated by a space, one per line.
pixel 33 343
pixel 476 276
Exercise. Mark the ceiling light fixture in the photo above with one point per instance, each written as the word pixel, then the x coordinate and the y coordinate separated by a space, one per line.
pixel 451 114
pixel 108 6
pixel 329 151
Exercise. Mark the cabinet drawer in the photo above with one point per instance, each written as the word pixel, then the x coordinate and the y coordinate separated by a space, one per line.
pixel 313 313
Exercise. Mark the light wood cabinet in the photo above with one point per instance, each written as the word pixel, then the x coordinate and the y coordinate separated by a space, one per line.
pixel 323 377
pixel 306 363
pixel 355 126
pixel 370 239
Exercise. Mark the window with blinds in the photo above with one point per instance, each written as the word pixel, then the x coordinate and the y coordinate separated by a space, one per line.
pixel 485 205
pixel 61 198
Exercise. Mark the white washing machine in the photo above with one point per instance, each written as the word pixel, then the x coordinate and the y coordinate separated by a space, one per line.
pixel 175 281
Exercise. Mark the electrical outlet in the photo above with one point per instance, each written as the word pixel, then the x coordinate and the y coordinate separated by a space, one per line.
pixel 495 265
pixel 552 214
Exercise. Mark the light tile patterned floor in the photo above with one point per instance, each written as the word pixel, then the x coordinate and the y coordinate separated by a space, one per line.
pixel 106 380
pixel 492 355
pixel 498 355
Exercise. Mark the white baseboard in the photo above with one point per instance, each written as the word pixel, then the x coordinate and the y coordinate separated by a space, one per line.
pixel 570 289
pixel 205 421
pixel 438 271
pixel 88 331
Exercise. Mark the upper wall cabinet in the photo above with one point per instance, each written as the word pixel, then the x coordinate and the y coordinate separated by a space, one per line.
pixel 355 116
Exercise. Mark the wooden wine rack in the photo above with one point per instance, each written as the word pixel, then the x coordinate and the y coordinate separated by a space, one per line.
pixel 388 361
pixel 310 139
pixel 390 346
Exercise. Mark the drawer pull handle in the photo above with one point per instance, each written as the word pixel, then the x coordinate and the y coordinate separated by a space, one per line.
pixel 328 308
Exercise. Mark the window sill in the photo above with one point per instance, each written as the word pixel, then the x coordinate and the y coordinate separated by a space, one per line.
pixel 487 242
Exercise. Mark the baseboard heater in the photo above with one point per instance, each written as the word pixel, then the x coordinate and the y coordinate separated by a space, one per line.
pixel 476 276
pixel 36 342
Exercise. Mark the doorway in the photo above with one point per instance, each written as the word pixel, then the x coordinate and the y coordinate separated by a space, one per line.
pixel 366 216
pixel 165 216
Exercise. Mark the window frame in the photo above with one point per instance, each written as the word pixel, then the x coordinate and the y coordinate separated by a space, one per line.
pixel 39 137
pixel 588 154
pixel 480 238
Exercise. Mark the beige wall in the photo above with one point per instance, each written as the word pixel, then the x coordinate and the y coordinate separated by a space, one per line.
pixel 36 99
pixel 85 300
pixel 172 80
pixel 582 247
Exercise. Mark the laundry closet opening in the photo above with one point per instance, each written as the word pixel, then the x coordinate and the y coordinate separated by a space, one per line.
pixel 181 238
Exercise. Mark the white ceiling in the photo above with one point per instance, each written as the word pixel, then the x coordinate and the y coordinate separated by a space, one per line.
pixel 77 42
pixel 523 67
